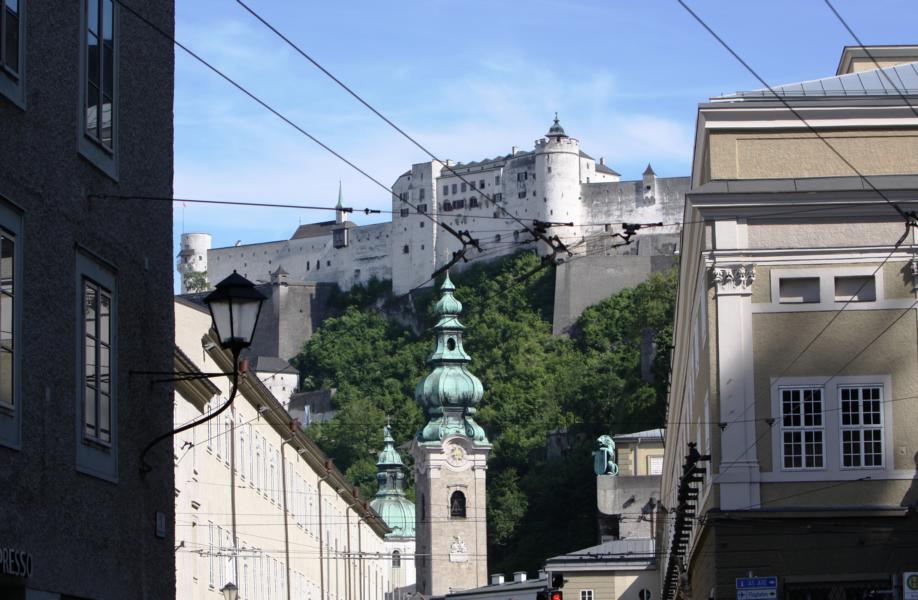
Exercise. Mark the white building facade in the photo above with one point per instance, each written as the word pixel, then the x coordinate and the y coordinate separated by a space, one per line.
pixel 257 503
pixel 554 182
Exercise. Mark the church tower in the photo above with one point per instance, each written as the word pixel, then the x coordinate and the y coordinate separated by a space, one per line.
pixel 398 513
pixel 450 455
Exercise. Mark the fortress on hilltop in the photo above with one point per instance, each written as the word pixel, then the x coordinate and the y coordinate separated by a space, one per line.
pixel 554 182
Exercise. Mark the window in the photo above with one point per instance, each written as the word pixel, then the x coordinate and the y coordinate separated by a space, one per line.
pixel 861 426
pixel 586 594
pixel 454 188
pixel 522 176
pixel 421 194
pixel 521 194
pixel 12 48
pixel 802 428
pixel 799 290
pixel 463 187
pixel 396 559
pixel 10 263
pixel 458 204
pixel 457 505
pixel 97 359
pixel 404 212
pixel 210 554
pixel 447 207
pixel 498 197
pixel 481 184
pixel 473 202
pixel 654 465
pixel 445 190
pixel 339 237
pixel 422 208
pixel 100 74
pixel 405 249
pixel 497 180
pixel 859 288
pixel 96 395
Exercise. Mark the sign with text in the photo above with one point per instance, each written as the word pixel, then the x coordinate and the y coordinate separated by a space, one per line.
pixel 15 562
pixel 757 588
pixel 910 585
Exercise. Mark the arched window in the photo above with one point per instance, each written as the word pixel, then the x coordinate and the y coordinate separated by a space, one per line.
pixel 457 505
pixel 396 559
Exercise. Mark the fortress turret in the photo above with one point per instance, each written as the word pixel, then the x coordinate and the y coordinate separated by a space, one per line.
pixel 191 262
pixel 558 165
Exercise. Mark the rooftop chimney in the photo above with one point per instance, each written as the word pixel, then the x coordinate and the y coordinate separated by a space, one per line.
pixel 514 150
pixel 497 578
pixel 519 576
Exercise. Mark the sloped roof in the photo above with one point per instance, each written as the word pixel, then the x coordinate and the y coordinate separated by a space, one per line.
pixel 634 550
pixel 271 364
pixel 649 434
pixel 890 81
pixel 601 168
pixel 318 229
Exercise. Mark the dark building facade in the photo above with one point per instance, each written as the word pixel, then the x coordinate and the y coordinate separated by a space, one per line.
pixel 86 95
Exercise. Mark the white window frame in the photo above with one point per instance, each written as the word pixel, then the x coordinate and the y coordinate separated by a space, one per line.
pixel 11 414
pixel 803 428
pixel 827 301
pixel 102 157
pixel 861 427
pixel 92 457
pixel 13 85
pixel 832 469
pixel 586 594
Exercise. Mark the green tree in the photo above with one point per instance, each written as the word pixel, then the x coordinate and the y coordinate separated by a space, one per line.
pixel 195 282
pixel 536 385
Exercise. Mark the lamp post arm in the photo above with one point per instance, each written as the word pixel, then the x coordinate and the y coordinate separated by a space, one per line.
pixel 145 467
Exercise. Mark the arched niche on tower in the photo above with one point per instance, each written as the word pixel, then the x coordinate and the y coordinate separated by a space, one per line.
pixel 457 505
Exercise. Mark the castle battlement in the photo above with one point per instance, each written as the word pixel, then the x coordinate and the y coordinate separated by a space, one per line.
pixel 556 181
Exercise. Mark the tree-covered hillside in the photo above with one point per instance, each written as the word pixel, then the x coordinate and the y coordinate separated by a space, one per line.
pixel 536 386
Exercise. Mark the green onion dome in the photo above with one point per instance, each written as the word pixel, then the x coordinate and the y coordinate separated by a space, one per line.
pixel 450 392
pixel 390 501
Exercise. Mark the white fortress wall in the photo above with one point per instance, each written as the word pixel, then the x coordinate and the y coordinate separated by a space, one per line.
pixel 554 182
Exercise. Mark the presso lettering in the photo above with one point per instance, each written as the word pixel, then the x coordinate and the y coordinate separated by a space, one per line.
pixel 15 562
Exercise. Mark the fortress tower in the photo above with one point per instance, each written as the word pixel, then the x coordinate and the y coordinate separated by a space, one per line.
pixel 558 165
pixel 450 455
pixel 192 257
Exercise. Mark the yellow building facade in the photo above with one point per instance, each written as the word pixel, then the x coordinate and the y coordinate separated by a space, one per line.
pixel 791 446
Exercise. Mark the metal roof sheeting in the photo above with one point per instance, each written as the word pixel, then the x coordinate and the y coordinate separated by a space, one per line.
pixel 891 81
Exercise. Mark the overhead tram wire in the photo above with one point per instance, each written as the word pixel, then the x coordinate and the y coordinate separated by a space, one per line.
pixel 465 240
pixel 531 230
pixel 872 59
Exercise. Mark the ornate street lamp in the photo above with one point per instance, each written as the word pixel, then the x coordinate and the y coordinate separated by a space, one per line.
pixel 230 591
pixel 234 306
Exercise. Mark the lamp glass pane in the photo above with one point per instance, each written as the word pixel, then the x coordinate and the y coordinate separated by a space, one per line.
pixel 245 313
pixel 220 310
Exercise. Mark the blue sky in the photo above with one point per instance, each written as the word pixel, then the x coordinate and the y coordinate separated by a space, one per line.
pixel 469 80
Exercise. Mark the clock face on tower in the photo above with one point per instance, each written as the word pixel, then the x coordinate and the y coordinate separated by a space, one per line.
pixel 455 455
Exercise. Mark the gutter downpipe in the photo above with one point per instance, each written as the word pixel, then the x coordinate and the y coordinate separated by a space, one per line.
pixel 321 545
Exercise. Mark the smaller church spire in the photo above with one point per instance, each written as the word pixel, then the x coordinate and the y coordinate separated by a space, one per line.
pixel 340 214
pixel 390 501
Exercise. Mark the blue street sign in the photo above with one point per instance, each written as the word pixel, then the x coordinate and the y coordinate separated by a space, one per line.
pixel 756 583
